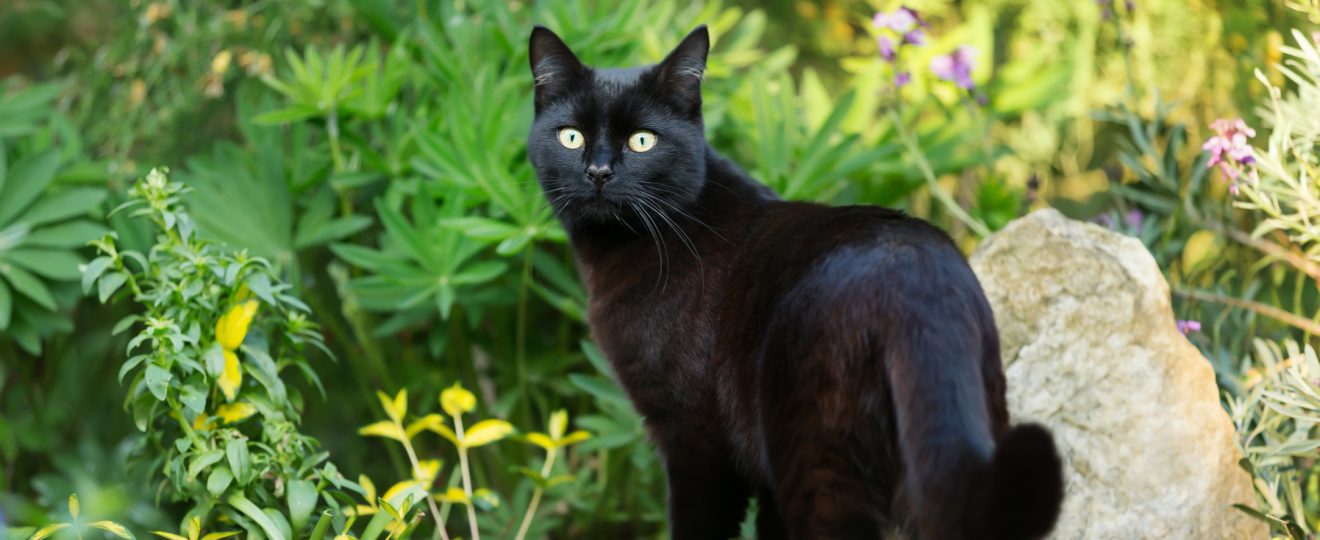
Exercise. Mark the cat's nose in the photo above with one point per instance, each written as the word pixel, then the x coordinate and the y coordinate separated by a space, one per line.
pixel 599 173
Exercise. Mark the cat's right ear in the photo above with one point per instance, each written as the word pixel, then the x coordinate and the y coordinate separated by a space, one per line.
pixel 554 66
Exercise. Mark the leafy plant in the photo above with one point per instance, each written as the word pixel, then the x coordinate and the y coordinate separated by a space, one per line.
pixel 225 426
pixel 45 199
pixel 78 526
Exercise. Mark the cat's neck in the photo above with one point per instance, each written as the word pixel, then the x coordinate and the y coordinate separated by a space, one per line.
pixel 718 219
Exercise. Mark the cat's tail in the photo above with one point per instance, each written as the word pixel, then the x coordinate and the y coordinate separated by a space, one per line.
pixel 1021 489
pixel 960 479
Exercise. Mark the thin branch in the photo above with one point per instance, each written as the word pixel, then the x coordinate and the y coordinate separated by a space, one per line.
pixel 1296 321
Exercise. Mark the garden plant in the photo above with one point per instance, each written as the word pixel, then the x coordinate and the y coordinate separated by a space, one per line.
pixel 283 269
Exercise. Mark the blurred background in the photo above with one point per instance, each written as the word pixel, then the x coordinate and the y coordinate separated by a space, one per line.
pixel 371 149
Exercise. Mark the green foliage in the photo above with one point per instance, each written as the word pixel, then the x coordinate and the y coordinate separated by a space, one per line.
pixel 46 196
pixel 367 157
pixel 206 384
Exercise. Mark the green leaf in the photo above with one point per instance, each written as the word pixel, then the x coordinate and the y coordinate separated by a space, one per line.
pixel 601 388
pixel 240 463
pixel 322 525
pixel 479 273
pixel 109 284
pixel 63 204
pixel 204 460
pixel 219 481
pixel 65 235
pixel 287 115
pixel 26 181
pixel 6 306
pixel 240 503
pixel 302 500
pixel 310 236
pixel 57 265
pixel 94 270
pixel 28 285
pixel 158 381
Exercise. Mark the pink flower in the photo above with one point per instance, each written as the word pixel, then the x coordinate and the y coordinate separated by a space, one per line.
pixel 1188 326
pixel 956 66
pixel 1230 150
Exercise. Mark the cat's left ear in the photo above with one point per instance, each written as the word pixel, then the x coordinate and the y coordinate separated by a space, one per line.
pixel 680 73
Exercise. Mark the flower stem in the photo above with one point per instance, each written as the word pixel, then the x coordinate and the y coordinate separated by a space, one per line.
pixel 932 183
pixel 536 496
pixel 417 466
pixel 467 478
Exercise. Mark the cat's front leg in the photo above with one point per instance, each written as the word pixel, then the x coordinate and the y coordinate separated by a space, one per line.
pixel 707 497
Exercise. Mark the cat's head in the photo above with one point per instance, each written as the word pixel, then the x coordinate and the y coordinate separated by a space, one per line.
pixel 616 144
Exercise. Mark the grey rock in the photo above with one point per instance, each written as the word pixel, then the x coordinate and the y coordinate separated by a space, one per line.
pixel 1090 350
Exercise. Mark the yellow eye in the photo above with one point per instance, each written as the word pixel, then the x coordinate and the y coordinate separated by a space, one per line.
pixel 571 138
pixel 641 141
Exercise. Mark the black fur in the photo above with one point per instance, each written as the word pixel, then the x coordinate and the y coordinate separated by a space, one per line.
pixel 839 364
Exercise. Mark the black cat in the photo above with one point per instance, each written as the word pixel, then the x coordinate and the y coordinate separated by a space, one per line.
pixel 839 364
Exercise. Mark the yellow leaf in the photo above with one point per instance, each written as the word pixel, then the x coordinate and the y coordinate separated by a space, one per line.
pixel 558 424
pixel 362 510
pixel 487 496
pixel 220 63
pixel 426 470
pixel 47 531
pixel 234 412
pixel 456 401
pixel 486 432
pixel 573 438
pixel 426 422
pixel 444 431
pixel 394 408
pixel 1199 247
pixel 369 488
pixel 218 536
pixel 452 495
pixel 170 536
pixel 344 537
pixel 74 507
pixel 400 488
pixel 394 512
pixel 231 377
pixel 194 528
pixel 203 423
pixel 383 428
pixel 540 439
pixel 112 528
pixel 233 325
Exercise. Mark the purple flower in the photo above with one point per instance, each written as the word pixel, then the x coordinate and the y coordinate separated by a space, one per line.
pixel 902 78
pixel 1188 326
pixel 956 66
pixel 905 22
pixel 901 20
pixel 1230 150
pixel 887 49
pixel 1134 219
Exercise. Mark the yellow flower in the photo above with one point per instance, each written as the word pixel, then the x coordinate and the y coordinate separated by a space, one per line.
pixel 456 401
pixel 220 64
pixel 235 412
pixel 556 438
pixel 231 377
pixel 233 326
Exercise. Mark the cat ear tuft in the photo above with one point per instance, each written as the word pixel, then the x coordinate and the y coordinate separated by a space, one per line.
pixel 681 72
pixel 554 66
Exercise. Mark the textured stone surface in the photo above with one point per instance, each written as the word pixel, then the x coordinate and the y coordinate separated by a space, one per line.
pixel 1090 350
